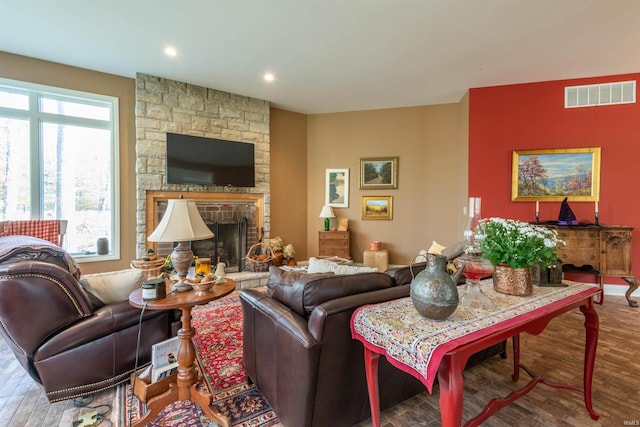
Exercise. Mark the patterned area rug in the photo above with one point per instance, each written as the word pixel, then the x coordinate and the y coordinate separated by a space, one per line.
pixel 218 343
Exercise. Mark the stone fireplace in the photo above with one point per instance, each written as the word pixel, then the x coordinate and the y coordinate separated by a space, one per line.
pixel 240 214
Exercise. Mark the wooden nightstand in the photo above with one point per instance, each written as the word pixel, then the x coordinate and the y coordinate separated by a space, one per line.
pixel 334 243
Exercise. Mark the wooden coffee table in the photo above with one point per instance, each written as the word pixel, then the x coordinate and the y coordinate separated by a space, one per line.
pixel 188 380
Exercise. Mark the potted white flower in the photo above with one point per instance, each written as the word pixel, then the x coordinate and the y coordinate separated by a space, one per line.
pixel 513 247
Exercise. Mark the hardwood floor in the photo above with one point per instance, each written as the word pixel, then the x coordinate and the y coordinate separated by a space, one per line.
pixel 557 352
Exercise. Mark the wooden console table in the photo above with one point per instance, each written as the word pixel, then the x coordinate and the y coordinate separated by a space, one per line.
pixel 428 348
pixel 606 248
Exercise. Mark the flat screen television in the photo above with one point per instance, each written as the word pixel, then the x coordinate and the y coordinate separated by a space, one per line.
pixel 209 161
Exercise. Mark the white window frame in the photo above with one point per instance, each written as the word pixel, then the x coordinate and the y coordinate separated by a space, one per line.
pixel 35 117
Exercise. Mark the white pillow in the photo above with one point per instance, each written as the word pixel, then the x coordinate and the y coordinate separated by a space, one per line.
pixel 317 265
pixel 114 286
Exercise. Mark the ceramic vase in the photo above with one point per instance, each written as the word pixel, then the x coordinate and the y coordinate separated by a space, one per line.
pixel 434 293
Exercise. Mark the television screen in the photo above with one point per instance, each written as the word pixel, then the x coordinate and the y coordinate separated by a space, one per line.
pixel 209 161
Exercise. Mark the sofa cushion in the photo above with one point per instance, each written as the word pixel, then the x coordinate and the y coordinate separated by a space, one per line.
pixel 114 286
pixel 309 291
pixel 281 282
pixel 319 265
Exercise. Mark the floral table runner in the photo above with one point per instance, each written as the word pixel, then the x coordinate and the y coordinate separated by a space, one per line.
pixel 415 343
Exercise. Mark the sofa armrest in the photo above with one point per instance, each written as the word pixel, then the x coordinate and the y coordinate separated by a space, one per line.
pixel 279 351
pixel 104 322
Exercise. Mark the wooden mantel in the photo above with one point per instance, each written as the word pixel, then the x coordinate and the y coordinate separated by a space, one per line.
pixel 155 197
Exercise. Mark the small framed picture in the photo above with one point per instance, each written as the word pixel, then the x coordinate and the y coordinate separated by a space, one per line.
pixel 377 207
pixel 343 224
pixel 337 188
pixel 377 173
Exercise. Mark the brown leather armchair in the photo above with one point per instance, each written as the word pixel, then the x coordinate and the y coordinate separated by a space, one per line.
pixel 298 349
pixel 68 341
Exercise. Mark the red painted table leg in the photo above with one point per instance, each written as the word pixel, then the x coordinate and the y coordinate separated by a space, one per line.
pixel 371 369
pixel 591 325
pixel 516 357
pixel 451 386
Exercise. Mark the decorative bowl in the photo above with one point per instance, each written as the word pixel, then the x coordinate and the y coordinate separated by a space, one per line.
pixel 201 288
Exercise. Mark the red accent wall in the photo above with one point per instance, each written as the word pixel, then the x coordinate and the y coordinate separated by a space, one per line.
pixel 532 116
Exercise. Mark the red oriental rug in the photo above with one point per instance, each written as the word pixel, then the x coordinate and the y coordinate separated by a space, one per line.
pixel 218 342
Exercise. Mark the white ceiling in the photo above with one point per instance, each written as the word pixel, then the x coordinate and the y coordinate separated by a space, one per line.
pixel 333 55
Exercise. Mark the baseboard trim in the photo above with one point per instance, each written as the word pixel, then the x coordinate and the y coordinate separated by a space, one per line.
pixel 619 290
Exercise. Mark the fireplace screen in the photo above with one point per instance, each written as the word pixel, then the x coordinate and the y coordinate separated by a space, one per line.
pixel 228 244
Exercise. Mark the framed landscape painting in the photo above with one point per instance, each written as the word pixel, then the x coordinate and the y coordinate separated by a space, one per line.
pixel 377 207
pixel 378 173
pixel 553 174
pixel 336 191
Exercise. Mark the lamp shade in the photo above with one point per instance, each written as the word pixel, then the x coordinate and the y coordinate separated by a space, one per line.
pixel 181 223
pixel 327 212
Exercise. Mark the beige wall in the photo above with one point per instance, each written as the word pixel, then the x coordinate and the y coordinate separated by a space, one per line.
pixel 430 142
pixel 52 74
pixel 289 179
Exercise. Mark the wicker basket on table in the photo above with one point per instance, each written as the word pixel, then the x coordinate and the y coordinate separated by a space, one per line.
pixel 259 257
pixel 149 269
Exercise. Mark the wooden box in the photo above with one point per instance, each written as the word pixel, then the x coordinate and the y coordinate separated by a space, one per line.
pixel 144 390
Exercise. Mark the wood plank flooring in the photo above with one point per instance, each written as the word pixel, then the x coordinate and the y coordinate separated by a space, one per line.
pixel 557 352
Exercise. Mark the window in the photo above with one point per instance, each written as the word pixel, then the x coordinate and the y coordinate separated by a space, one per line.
pixel 59 160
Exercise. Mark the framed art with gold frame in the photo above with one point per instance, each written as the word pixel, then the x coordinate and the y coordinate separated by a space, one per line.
pixel 550 175
pixel 378 173
pixel 377 207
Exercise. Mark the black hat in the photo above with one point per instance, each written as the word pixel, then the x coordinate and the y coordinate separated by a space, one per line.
pixel 566 216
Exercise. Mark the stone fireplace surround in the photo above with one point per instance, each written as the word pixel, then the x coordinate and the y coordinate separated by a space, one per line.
pixel 164 105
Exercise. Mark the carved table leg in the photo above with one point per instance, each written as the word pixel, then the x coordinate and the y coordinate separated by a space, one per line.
pixel 633 285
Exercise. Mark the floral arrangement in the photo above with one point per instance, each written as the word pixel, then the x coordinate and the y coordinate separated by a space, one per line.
pixel 516 243
pixel 276 244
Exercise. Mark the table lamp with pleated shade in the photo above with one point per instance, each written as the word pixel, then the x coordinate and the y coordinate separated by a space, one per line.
pixel 181 223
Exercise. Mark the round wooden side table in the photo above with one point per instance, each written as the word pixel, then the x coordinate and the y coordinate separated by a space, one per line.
pixel 187 382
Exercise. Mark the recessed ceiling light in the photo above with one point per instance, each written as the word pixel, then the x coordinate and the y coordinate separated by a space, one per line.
pixel 170 51
pixel 268 77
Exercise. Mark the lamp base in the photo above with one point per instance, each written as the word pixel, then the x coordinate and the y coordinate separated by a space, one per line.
pixel 181 286
pixel 181 258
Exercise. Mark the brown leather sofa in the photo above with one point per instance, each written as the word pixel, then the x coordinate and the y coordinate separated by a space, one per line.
pixel 68 341
pixel 299 352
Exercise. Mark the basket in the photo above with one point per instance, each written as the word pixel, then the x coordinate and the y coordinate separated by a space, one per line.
pixel 257 265
pixel 149 268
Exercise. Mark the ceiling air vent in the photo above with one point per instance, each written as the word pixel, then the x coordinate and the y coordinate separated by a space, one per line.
pixel 600 94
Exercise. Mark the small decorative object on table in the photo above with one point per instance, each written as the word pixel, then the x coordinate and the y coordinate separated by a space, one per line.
pixel 150 267
pixel 202 285
pixel 474 267
pixel 434 293
pixel 514 247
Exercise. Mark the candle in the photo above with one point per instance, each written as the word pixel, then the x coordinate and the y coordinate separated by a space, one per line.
pixel 596 206
pixel 538 206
